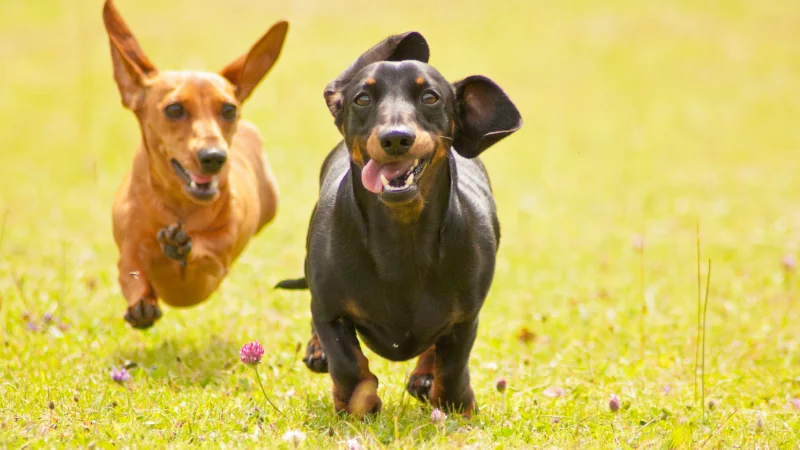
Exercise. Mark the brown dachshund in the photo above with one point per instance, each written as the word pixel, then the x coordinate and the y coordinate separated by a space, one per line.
pixel 200 186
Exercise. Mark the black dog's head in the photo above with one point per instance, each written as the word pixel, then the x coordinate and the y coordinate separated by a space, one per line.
pixel 400 117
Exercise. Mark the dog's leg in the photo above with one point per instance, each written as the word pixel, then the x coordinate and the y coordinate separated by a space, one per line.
pixel 315 358
pixel 421 379
pixel 143 308
pixel 355 388
pixel 451 389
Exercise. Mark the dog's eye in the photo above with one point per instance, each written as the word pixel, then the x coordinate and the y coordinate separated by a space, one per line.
pixel 362 100
pixel 430 98
pixel 175 111
pixel 229 112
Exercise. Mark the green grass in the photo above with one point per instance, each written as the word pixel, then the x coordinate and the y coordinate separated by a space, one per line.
pixel 641 119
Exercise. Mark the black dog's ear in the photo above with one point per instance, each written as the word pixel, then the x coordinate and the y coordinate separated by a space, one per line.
pixel 400 47
pixel 484 115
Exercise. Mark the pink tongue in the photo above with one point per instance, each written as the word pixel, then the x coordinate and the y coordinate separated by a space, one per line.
pixel 372 171
pixel 200 179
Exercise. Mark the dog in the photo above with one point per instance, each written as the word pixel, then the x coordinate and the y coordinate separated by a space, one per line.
pixel 200 186
pixel 402 242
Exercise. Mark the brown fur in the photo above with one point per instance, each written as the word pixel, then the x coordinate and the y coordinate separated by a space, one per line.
pixel 152 196
pixel 427 367
pixel 425 363
pixel 425 145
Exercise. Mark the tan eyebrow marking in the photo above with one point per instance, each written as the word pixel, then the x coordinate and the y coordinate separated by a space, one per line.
pixel 420 80
pixel 371 80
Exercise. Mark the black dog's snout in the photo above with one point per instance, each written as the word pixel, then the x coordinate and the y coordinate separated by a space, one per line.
pixel 212 159
pixel 397 141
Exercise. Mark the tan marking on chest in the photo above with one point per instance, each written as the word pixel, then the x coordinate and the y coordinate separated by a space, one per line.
pixel 352 310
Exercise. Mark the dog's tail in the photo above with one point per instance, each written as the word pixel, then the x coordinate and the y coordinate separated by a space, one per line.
pixel 300 283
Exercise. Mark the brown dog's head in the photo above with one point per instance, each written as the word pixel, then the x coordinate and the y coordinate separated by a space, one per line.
pixel 188 119
pixel 399 117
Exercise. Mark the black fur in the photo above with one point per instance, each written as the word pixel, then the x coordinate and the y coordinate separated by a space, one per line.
pixel 299 283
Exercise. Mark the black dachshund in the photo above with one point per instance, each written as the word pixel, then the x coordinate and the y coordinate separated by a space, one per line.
pixel 402 242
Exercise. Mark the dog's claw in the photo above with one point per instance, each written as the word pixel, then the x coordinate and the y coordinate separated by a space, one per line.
pixel 315 358
pixel 317 364
pixel 143 314
pixel 175 243
pixel 419 386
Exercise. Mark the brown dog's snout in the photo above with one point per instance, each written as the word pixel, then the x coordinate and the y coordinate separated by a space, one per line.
pixel 396 141
pixel 212 159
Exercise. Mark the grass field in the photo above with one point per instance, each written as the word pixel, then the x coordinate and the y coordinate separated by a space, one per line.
pixel 641 120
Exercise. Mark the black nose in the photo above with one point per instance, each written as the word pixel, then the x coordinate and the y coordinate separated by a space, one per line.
pixel 212 159
pixel 397 141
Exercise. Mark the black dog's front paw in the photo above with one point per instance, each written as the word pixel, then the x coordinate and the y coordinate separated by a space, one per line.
pixel 419 385
pixel 175 243
pixel 315 358
pixel 143 314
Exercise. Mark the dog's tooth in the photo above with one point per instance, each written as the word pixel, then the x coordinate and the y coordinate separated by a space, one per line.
pixel 416 163
pixel 384 181
pixel 214 184
pixel 409 180
pixel 192 184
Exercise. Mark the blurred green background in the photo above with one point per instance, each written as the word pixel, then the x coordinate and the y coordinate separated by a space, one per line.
pixel 642 118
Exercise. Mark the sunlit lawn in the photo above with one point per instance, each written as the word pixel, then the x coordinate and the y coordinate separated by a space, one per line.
pixel 641 120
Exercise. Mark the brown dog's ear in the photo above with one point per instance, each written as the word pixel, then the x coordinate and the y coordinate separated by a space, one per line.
pixel 132 68
pixel 246 72
pixel 484 115
pixel 400 47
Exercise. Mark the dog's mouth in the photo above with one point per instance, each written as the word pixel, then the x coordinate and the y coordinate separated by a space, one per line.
pixel 395 182
pixel 199 187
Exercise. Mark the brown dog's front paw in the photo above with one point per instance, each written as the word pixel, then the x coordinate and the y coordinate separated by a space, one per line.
pixel 175 243
pixel 143 314
pixel 419 385
pixel 315 358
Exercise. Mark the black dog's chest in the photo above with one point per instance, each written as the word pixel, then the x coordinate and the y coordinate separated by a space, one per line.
pixel 403 325
pixel 401 291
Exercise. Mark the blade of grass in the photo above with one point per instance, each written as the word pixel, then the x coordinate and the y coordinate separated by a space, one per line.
pixel 718 428
pixel 64 287
pixel 3 230
pixel 18 284
pixel 643 338
pixel 699 312
pixel 703 364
